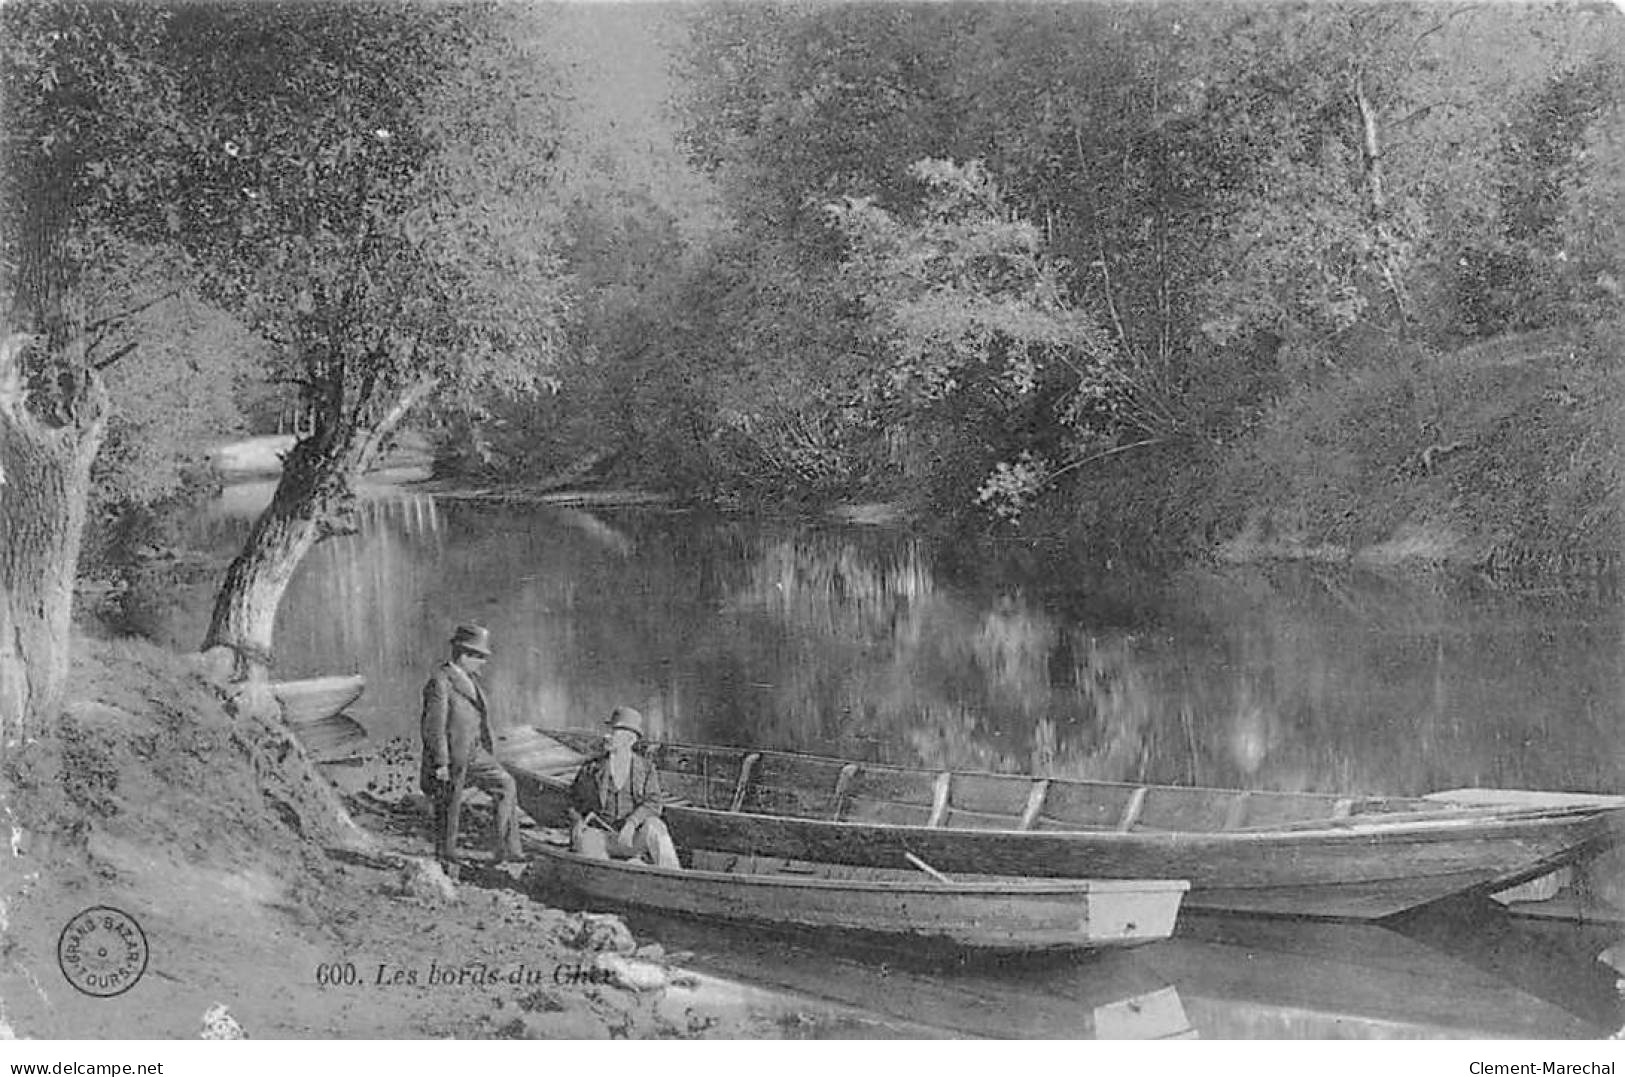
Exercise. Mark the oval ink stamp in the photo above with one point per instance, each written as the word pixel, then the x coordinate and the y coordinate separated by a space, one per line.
pixel 102 952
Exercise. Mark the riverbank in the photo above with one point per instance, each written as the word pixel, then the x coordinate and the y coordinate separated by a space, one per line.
pixel 1502 457
pixel 264 913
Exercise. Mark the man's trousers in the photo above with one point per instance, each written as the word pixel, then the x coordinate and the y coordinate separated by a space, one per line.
pixel 482 772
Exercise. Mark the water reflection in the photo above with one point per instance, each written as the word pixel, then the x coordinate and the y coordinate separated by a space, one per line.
pixel 878 646
pixel 1451 974
pixel 1115 995
pixel 1448 973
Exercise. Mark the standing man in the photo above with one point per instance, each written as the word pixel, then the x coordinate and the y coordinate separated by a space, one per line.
pixel 615 800
pixel 458 749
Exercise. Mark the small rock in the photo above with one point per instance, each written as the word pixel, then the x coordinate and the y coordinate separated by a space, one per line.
pixel 652 952
pixel 565 1025
pixel 603 932
pixel 673 1009
pixel 542 1001
pixel 216 665
pixel 549 917
pixel 632 974
pixel 425 880
pixel 218 1024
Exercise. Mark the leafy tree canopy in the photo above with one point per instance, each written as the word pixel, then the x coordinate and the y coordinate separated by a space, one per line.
pixel 970 320
pixel 82 91
pixel 363 185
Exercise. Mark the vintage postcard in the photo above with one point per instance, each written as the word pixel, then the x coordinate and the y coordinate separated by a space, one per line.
pixel 812 521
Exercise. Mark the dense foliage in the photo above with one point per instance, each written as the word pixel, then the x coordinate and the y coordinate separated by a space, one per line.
pixel 1111 270
pixel 969 327
pixel 1252 203
pixel 78 82
pixel 82 92
pixel 352 198
pixel 364 191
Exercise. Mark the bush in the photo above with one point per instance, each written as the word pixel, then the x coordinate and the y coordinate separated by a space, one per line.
pixel 1511 446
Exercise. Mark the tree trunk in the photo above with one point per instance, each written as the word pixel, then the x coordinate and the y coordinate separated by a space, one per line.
pixel 1371 154
pixel 311 500
pixel 44 484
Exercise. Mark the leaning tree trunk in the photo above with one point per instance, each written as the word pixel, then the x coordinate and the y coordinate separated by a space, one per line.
pixel 311 500
pixel 44 487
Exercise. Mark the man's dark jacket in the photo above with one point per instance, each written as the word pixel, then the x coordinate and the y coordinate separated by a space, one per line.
pixel 594 792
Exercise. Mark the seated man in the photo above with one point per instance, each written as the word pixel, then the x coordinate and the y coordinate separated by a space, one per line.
pixel 615 800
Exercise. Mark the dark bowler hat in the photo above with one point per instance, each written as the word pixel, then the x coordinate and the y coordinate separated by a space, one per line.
pixel 625 718
pixel 472 638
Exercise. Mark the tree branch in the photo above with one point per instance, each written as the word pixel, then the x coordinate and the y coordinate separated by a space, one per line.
pixel 1371 145
pixel 410 397
pixel 1074 465
pixel 116 356
pixel 1416 44
pixel 1100 249
pixel 124 315
pixel 1421 111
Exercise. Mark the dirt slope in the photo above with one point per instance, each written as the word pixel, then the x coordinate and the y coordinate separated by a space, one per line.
pixel 213 834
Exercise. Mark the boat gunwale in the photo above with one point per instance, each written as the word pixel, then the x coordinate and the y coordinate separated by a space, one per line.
pixel 304 690
pixel 1431 829
pixel 1004 886
pixel 309 683
pixel 1444 822
pixel 780 753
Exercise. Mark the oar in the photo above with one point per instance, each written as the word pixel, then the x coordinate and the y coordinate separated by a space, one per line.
pixel 928 869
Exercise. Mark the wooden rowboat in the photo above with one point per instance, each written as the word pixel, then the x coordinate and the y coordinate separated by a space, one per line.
pixel 1296 854
pixel 314 710
pixel 308 701
pixel 977 912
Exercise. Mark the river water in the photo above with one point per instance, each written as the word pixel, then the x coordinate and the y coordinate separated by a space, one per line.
pixel 878 645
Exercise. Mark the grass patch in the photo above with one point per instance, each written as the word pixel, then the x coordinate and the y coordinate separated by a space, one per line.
pixel 1504 455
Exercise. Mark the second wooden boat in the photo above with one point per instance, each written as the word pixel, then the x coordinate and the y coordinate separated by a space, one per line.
pixel 1297 854
pixel 314 710
pixel 308 701
pixel 975 913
